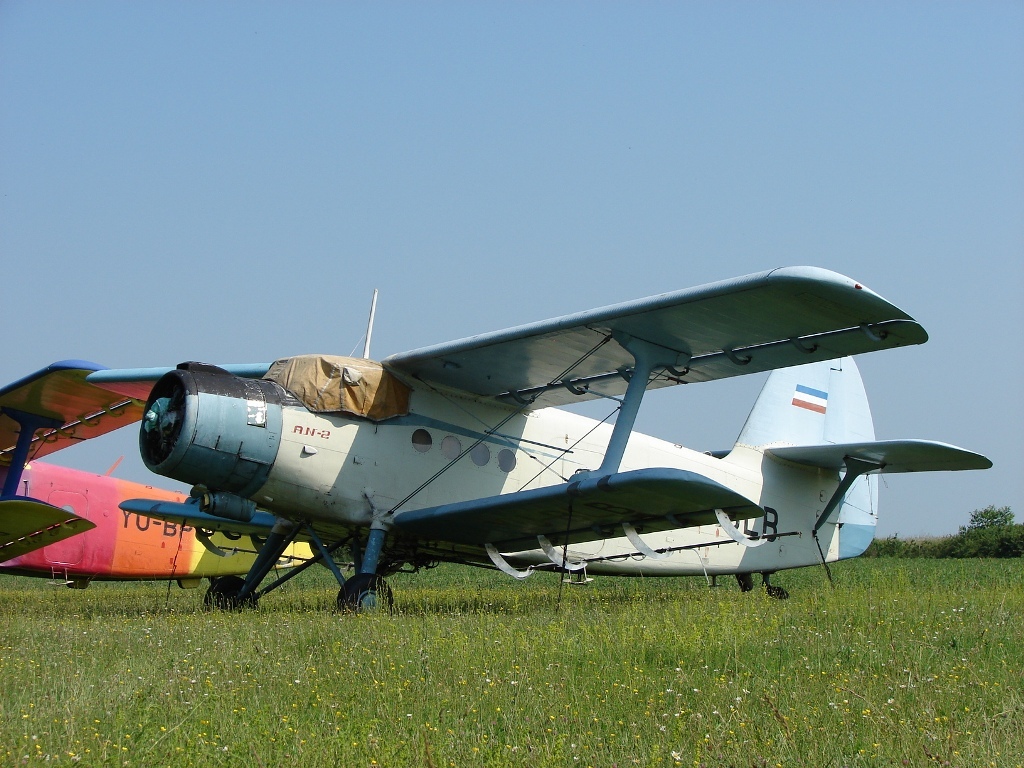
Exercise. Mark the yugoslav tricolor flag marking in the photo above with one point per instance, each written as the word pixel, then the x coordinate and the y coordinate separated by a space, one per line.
pixel 811 399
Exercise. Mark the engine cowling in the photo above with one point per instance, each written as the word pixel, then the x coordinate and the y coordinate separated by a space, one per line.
pixel 205 426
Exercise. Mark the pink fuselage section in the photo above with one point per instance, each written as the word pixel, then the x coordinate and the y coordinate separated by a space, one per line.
pixel 122 545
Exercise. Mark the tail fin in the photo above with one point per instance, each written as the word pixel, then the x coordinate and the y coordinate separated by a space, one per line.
pixel 820 404
pixel 815 404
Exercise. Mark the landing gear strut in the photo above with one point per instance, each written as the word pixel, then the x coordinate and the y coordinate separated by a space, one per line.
pixel 367 591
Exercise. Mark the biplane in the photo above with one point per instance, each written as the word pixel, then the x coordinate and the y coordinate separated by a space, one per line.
pixel 65 525
pixel 461 453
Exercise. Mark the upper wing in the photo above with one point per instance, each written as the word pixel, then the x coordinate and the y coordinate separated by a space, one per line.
pixel 84 399
pixel 27 524
pixel 62 393
pixel 583 510
pixel 891 456
pixel 746 325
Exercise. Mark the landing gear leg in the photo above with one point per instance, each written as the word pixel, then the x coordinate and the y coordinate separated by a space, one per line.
pixel 232 592
pixel 367 591
pixel 778 593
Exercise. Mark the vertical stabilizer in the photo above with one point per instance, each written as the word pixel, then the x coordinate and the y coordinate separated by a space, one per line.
pixel 815 404
pixel 823 404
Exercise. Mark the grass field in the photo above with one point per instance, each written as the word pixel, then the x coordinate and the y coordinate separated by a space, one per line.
pixel 906 662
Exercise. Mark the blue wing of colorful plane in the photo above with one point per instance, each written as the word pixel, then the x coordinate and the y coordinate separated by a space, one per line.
pixel 60 407
pixel 40 414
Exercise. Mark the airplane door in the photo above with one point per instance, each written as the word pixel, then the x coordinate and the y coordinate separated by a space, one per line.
pixel 69 551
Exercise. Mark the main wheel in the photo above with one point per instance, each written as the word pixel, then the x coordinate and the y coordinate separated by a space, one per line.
pixel 223 594
pixel 365 592
pixel 746 581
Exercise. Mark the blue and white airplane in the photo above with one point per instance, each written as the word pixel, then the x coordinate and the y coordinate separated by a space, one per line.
pixel 459 452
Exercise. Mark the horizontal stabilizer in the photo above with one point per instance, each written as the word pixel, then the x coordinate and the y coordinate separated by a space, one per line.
pixel 28 524
pixel 189 514
pixel 891 456
pixel 595 508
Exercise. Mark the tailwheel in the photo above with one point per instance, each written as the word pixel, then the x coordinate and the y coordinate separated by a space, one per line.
pixel 777 593
pixel 223 594
pixel 364 593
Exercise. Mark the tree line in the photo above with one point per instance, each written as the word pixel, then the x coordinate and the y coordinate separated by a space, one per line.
pixel 991 532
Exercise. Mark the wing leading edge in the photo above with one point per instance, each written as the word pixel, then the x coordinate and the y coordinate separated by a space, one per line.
pixel 749 324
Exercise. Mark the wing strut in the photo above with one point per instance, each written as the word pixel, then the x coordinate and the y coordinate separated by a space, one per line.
pixel 646 358
pixel 29 423
pixel 854 469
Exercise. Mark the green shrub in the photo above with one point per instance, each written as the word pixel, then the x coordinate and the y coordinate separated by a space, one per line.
pixel 990 533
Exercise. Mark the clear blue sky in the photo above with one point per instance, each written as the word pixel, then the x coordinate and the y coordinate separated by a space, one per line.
pixel 228 182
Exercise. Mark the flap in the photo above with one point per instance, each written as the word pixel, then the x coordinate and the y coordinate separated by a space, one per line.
pixel 333 384
pixel 61 392
pixel 650 499
pixel 27 525
pixel 892 456
pixel 746 325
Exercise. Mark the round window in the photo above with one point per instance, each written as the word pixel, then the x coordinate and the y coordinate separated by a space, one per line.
pixel 451 447
pixel 421 440
pixel 506 460
pixel 480 454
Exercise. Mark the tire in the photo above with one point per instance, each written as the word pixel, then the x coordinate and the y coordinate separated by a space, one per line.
pixel 223 594
pixel 365 592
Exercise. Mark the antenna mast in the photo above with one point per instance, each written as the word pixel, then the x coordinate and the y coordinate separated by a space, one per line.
pixel 369 325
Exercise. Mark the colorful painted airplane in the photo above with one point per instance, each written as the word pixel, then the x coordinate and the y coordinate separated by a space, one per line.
pixel 459 453
pixel 66 525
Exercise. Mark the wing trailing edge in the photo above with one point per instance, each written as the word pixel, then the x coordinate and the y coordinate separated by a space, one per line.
pixel 60 407
pixel 648 500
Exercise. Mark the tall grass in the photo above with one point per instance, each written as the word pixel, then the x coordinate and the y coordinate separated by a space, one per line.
pixel 903 663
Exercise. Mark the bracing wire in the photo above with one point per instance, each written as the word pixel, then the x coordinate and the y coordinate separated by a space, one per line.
pixel 823 562
pixel 565 554
pixel 430 480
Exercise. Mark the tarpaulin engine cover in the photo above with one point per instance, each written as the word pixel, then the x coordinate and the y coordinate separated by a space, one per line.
pixel 333 384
